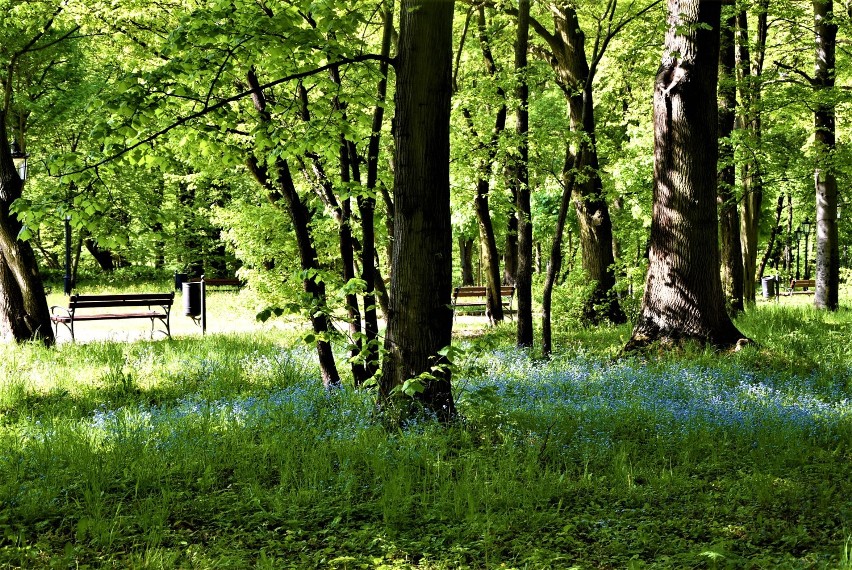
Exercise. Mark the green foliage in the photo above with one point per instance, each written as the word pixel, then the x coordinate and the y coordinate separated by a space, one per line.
pixel 226 451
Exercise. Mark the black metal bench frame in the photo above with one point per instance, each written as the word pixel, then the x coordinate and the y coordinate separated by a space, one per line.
pixel 68 316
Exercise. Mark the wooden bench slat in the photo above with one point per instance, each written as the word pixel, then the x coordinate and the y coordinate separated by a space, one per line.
pixel 115 301
pixel 507 295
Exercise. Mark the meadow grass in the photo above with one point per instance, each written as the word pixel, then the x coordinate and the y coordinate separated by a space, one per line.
pixel 225 452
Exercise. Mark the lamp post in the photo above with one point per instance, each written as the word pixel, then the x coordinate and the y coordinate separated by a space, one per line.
pixel 797 235
pixel 19 157
pixel 806 227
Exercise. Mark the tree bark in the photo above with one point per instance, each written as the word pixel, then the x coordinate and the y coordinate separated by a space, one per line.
pixel 24 314
pixel 825 180
pixel 420 318
pixel 554 264
pixel 575 77
pixel 523 279
pixel 729 222
pixel 683 292
pixel 284 190
pixel 749 70
pixel 466 259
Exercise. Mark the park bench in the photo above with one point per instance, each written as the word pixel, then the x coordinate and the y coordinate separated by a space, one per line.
pixel 476 297
pixel 158 305
pixel 223 282
pixel 807 286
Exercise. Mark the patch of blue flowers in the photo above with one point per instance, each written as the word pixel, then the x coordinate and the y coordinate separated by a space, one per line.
pixel 668 400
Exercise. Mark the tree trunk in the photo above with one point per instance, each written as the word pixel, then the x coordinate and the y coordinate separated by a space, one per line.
pixel 523 280
pixel 729 222
pixel 367 205
pixel 284 190
pixel 420 320
pixel 683 292
pixel 825 180
pixel 773 236
pixel 466 257
pixel 554 264
pixel 749 69
pixel 24 314
pixel 576 79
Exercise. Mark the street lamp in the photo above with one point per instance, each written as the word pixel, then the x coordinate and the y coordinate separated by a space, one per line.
pixel 797 235
pixel 19 157
pixel 806 226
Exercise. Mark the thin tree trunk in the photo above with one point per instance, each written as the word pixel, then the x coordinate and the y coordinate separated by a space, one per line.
pixel 284 190
pixel 776 229
pixel 466 258
pixel 523 281
pixel 729 223
pixel 554 263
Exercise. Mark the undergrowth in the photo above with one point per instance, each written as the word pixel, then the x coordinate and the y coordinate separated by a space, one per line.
pixel 225 452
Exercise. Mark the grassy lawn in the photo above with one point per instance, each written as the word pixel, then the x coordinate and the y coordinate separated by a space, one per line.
pixel 225 452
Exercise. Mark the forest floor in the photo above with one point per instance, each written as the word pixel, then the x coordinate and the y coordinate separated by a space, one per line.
pixel 224 451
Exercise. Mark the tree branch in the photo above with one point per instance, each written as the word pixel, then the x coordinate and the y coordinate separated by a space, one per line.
pixel 227 101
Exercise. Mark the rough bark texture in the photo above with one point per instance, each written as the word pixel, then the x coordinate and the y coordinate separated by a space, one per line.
pixel 683 293
pixel 825 181
pixel 420 317
pixel 574 75
pixel 729 221
pixel 523 278
pixel 24 314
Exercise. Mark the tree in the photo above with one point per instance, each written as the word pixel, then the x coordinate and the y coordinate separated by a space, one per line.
pixel 825 179
pixel 521 182
pixel 420 318
pixel 729 221
pixel 24 314
pixel 683 290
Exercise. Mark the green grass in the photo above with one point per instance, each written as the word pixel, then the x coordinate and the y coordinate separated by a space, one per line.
pixel 225 452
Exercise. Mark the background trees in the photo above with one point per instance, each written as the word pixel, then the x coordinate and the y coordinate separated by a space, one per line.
pixel 163 133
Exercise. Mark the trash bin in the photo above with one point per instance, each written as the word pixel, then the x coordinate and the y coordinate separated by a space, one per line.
pixel 768 286
pixel 191 298
pixel 180 279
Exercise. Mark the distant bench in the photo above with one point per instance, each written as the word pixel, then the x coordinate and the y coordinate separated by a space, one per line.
pixel 224 282
pixel 477 296
pixel 807 286
pixel 159 306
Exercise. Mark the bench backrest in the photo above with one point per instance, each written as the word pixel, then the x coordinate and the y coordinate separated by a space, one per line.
pixel 121 300
pixel 802 283
pixel 476 291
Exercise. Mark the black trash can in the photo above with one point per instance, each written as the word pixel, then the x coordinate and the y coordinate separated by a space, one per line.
pixel 180 279
pixel 192 298
pixel 768 286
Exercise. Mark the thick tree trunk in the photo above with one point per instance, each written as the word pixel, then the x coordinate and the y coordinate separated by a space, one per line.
pixel 420 319
pixel 729 222
pixel 24 313
pixel 825 180
pixel 683 292
pixel 523 279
